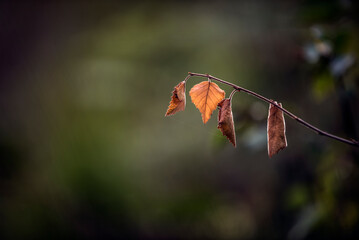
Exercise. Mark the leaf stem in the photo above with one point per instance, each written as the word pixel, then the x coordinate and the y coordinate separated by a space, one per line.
pixel 301 121
pixel 186 79
pixel 232 93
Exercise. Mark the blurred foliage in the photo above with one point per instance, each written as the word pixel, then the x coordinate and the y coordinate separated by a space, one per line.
pixel 85 150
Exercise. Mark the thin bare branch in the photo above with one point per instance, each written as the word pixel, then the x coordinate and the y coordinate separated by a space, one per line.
pixel 351 142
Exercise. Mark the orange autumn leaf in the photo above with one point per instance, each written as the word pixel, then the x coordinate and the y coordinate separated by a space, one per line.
pixel 178 99
pixel 225 120
pixel 275 130
pixel 205 96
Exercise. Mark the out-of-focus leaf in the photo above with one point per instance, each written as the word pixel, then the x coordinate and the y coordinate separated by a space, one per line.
pixel 322 86
pixel 341 64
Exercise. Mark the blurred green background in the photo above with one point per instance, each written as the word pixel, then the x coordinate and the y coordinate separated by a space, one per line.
pixel 85 149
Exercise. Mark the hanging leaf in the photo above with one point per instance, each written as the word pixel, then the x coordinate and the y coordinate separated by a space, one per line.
pixel 178 99
pixel 225 120
pixel 205 96
pixel 275 130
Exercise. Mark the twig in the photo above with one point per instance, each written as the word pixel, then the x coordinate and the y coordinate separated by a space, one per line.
pixel 301 121
pixel 232 93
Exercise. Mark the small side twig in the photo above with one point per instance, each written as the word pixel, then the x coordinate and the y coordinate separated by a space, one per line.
pixel 351 142
pixel 232 93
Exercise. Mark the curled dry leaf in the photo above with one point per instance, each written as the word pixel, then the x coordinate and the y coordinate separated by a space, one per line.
pixel 178 99
pixel 205 96
pixel 225 120
pixel 275 130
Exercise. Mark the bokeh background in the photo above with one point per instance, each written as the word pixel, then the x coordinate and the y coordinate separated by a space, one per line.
pixel 85 149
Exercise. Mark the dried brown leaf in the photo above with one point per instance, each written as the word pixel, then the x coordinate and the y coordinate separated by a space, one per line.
pixel 225 120
pixel 205 96
pixel 178 99
pixel 275 130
